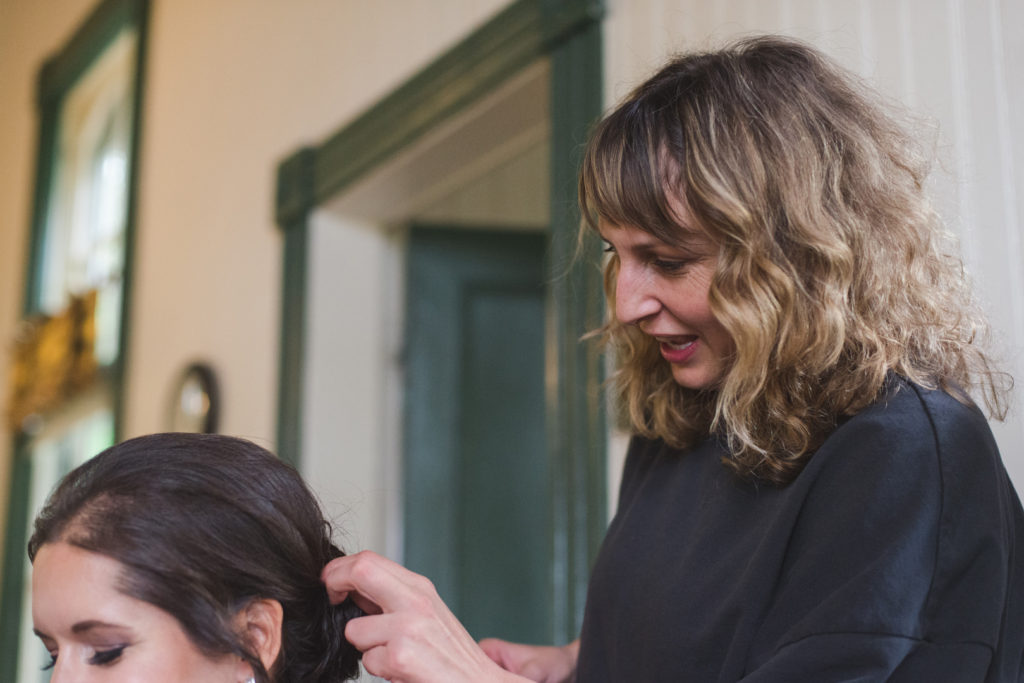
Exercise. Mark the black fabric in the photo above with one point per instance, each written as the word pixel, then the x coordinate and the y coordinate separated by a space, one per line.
pixel 896 555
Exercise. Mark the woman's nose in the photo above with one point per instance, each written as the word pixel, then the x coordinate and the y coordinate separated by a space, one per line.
pixel 634 296
pixel 59 674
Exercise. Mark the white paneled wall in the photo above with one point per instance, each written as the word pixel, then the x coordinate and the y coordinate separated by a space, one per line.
pixel 955 63
pixel 351 422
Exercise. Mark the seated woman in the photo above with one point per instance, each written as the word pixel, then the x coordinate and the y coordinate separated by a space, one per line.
pixel 187 557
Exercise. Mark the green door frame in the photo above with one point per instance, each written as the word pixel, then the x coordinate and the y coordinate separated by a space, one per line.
pixel 57 77
pixel 568 34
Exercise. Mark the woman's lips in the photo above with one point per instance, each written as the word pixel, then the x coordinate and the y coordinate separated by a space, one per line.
pixel 678 349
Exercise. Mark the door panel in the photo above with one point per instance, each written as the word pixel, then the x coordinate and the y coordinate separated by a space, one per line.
pixel 477 479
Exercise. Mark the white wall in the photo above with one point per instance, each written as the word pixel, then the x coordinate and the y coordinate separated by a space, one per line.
pixel 957 62
pixel 351 423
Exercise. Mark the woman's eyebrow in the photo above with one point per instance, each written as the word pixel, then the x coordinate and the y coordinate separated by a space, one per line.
pixel 83 626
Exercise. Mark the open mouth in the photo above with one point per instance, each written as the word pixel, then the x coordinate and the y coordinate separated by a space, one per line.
pixel 677 349
pixel 677 343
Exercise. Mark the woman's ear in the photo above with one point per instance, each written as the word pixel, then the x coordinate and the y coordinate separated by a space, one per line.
pixel 260 624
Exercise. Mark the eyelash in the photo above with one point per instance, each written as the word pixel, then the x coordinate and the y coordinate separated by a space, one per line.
pixel 666 266
pixel 99 658
pixel 670 267
pixel 102 657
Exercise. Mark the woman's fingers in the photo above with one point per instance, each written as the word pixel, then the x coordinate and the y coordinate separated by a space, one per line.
pixel 409 635
pixel 498 651
pixel 376 582
pixel 367 633
pixel 536 662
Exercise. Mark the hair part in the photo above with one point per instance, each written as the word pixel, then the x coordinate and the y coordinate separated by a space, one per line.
pixel 833 271
pixel 203 525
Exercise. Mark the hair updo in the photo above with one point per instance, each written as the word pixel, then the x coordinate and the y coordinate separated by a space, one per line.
pixel 204 524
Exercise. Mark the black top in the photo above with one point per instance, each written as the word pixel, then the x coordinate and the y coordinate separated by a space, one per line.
pixel 896 555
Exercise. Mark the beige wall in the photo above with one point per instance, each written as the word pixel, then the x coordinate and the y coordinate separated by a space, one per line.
pixel 235 86
pixel 232 87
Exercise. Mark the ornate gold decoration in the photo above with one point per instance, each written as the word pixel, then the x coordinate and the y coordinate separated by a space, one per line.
pixel 54 359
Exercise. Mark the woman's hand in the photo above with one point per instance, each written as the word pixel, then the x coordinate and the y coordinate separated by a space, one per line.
pixel 409 635
pixel 539 663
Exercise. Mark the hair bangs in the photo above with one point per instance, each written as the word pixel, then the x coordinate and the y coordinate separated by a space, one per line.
pixel 625 174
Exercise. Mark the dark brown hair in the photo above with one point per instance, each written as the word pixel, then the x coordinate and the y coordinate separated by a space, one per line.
pixel 203 524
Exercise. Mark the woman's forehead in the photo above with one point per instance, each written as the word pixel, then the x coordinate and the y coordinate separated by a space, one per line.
pixel 679 236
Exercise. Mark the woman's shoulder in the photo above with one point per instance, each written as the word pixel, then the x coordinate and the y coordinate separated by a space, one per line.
pixel 916 453
pixel 921 454
pixel 906 526
pixel 910 417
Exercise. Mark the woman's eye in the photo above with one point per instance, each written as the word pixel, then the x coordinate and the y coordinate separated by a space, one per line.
pixel 53 662
pixel 669 267
pixel 607 248
pixel 102 657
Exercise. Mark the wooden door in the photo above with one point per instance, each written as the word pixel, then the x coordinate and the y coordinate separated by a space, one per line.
pixel 476 472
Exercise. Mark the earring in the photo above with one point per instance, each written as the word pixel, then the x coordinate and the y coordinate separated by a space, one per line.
pixel 251 679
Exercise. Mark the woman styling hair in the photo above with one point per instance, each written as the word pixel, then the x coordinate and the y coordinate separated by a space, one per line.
pixel 186 557
pixel 810 493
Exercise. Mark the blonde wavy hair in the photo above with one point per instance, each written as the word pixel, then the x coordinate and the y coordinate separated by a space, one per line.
pixel 833 273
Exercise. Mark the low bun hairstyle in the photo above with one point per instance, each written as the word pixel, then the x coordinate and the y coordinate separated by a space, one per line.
pixel 205 524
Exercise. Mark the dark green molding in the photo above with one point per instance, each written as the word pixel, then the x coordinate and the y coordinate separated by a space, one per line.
pixel 515 37
pixel 136 15
pixel 567 32
pixel 295 180
pixel 577 431
pixel 14 561
pixel 294 202
pixel 56 78
pixel 92 37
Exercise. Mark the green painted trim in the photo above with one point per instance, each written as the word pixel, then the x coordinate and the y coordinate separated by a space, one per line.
pixel 525 31
pixel 93 35
pixel 294 201
pixel 56 78
pixel 576 413
pixel 295 180
pixel 139 18
pixel 45 158
pixel 510 41
pixel 567 32
pixel 14 562
pixel 293 339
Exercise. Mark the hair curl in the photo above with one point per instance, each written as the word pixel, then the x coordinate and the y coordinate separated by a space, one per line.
pixel 203 525
pixel 833 268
